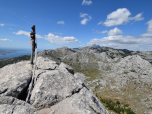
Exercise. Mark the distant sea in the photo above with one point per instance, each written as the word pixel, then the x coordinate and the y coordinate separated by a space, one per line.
pixel 19 53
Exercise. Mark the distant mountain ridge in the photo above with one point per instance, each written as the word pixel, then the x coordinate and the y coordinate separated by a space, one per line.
pixel 113 73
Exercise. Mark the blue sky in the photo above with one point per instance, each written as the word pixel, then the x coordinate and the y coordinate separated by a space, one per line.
pixel 121 24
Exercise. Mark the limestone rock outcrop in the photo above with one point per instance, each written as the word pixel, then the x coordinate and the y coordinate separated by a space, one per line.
pixel 52 86
pixel 84 102
pixel 57 88
pixel 135 63
pixel 14 78
pixel 11 105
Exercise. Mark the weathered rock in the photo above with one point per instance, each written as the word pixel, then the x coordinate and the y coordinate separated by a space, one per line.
pixel 46 64
pixel 11 105
pixel 15 78
pixel 60 85
pixel 56 87
pixel 69 68
pixel 84 102
pixel 53 86
pixel 80 76
pixel 135 63
pixel 119 70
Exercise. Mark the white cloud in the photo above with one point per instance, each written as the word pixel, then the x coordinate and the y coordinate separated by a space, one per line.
pixel 84 21
pixel 104 31
pixel 86 2
pixel 146 34
pixel 85 17
pixel 60 22
pixel 149 29
pixel 100 23
pixel 123 42
pixel 60 40
pixel 137 17
pixel 5 39
pixel 21 32
pixel 121 16
pixel 1 24
pixel 114 31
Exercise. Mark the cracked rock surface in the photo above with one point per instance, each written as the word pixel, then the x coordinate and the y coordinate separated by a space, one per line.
pixel 11 105
pixel 84 102
pixel 14 78
pixel 56 88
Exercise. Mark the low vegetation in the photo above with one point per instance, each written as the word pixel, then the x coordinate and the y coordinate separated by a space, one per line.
pixel 116 106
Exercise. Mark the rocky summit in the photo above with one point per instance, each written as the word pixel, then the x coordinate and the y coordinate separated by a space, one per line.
pixel 114 74
pixel 57 90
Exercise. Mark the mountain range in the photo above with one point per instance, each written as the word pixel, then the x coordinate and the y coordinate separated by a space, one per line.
pixel 116 75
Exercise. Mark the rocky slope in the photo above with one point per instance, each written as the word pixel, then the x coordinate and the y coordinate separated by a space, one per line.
pixel 58 90
pixel 113 73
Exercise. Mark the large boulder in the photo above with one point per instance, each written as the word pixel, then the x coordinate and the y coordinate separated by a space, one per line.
pixel 10 105
pixel 58 91
pixel 67 67
pixel 84 102
pixel 52 86
pixel 46 64
pixel 15 78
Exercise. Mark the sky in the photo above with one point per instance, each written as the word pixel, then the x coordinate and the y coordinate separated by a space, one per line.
pixel 119 24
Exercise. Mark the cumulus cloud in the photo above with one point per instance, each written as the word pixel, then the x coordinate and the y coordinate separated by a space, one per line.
pixel 21 32
pixel 85 17
pixel 100 23
pixel 112 32
pixel 121 42
pixel 60 22
pixel 121 16
pixel 149 29
pixel 5 39
pixel 1 24
pixel 86 2
pixel 104 32
pixel 137 17
pixel 60 40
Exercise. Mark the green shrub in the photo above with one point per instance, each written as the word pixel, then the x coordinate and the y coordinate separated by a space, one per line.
pixel 133 71
pixel 126 72
pixel 115 106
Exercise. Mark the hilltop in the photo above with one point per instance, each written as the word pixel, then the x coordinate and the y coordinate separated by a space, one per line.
pixel 112 73
pixel 115 74
pixel 57 90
